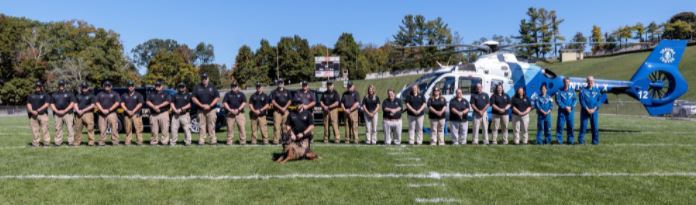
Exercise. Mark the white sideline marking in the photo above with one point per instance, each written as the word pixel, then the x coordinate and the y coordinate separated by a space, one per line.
pixel 436 200
pixel 409 165
pixel 431 175
pixel 425 185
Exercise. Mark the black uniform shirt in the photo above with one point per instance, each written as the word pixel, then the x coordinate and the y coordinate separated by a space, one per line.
pixel 501 101
pixel 234 99
pixel 281 97
pixel 205 94
pixel 299 121
pixel 85 100
pixel 108 99
pixel 350 98
pixel 479 100
pixel 371 103
pixel 157 99
pixel 391 104
pixel 182 99
pixel 132 101
pixel 438 104
pixel 61 99
pixel 37 100
pixel 459 105
pixel 307 97
pixel 521 104
pixel 329 97
pixel 258 101
pixel 415 102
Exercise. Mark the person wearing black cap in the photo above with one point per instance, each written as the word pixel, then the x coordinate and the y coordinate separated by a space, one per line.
pixel 350 103
pixel 107 103
pixel 62 103
pixel 258 104
pixel 329 103
pixel 205 97
pixel 37 106
pixel 301 123
pixel 234 102
pixel 159 117
pixel 307 96
pixel 181 104
pixel 84 116
pixel 132 103
pixel 280 101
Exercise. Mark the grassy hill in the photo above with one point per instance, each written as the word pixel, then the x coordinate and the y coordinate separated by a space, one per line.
pixel 622 68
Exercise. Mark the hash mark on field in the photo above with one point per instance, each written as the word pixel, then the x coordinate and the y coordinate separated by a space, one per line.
pixel 431 175
pixel 409 165
pixel 426 185
pixel 409 159
pixel 436 200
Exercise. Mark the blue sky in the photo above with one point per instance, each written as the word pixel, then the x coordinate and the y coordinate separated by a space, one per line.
pixel 230 24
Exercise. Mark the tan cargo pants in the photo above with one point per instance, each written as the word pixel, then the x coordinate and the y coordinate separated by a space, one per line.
pixel 278 122
pixel 331 120
pixel 159 123
pixel 112 121
pixel 183 121
pixel 131 122
pixel 352 127
pixel 39 128
pixel 236 121
pixel 207 122
pixel 68 119
pixel 86 120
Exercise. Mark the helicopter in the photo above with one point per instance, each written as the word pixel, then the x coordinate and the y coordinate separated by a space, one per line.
pixel 657 83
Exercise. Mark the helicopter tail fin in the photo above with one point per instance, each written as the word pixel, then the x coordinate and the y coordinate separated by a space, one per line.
pixel 658 83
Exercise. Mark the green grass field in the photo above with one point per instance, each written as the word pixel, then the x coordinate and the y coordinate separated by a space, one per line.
pixel 663 150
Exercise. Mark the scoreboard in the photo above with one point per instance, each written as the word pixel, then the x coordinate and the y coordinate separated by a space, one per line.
pixel 327 66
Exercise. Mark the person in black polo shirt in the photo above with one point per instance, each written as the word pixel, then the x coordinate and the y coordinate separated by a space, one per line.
pixel 415 107
pixel 84 115
pixel 350 104
pixel 307 96
pixel 501 107
pixel 521 105
pixel 234 102
pixel 329 103
pixel 479 103
pixel 159 117
pixel 205 97
pixel 37 106
pixel 107 103
pixel 370 105
pixel 437 109
pixel 280 99
pixel 132 102
pixel 392 108
pixel 259 103
pixel 181 104
pixel 62 103
pixel 459 110
pixel 301 124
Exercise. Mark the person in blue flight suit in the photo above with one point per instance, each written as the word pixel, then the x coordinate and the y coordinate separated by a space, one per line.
pixel 566 99
pixel 590 99
pixel 543 104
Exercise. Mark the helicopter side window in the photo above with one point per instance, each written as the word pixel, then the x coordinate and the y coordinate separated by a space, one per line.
pixel 467 84
pixel 446 85
pixel 495 83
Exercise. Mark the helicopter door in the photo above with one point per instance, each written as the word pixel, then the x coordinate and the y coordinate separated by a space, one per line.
pixel 446 86
pixel 467 84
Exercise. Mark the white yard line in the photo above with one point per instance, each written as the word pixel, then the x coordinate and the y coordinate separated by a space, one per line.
pixel 432 175
pixel 436 200
pixel 426 185
pixel 409 165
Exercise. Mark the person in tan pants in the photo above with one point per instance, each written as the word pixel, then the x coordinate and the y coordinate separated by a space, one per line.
pixel 350 104
pixel 84 117
pixel 62 103
pixel 437 109
pixel 131 103
pixel 234 102
pixel 521 106
pixel 329 103
pixel 500 102
pixel 159 118
pixel 107 103
pixel 205 96
pixel 280 100
pixel 258 104
pixel 181 104
pixel 37 106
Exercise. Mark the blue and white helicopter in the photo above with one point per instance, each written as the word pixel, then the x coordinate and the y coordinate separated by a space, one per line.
pixel 656 84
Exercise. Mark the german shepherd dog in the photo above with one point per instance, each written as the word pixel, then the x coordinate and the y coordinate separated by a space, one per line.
pixel 293 150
